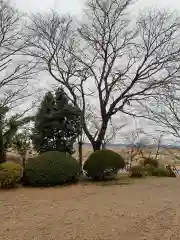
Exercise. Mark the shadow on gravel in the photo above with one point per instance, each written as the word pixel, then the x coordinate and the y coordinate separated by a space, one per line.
pixel 115 182
pixel 122 180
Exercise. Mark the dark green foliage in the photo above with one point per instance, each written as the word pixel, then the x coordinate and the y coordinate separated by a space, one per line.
pixel 161 172
pixel 8 129
pixel 103 163
pixel 137 171
pixel 10 174
pixel 51 169
pixel 57 124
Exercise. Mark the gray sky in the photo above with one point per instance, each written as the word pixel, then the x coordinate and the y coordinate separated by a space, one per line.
pixel 72 6
pixel 75 7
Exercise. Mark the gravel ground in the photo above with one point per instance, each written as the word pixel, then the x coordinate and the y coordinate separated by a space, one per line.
pixel 146 209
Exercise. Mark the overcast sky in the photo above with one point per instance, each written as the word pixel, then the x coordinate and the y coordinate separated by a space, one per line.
pixel 75 7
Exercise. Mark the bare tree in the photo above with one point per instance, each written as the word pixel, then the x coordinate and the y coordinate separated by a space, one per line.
pixel 93 121
pixel 15 70
pixel 22 143
pixel 110 60
pixel 167 115
pixel 112 133
pixel 158 141
pixel 144 145
pixel 137 143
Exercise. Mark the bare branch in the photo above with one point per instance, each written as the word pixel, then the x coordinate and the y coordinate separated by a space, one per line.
pixel 14 71
pixel 109 61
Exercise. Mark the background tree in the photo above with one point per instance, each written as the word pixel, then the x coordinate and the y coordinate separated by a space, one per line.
pixel 57 124
pixel 80 141
pixel 166 118
pixel 93 121
pixel 143 146
pixel 166 114
pixel 3 111
pixel 8 129
pixel 15 71
pixel 22 143
pixel 136 142
pixel 111 60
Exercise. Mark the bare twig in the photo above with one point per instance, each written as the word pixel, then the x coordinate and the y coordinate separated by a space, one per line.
pixel 108 61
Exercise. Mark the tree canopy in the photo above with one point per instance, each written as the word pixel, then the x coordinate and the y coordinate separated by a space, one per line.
pixel 8 129
pixel 57 124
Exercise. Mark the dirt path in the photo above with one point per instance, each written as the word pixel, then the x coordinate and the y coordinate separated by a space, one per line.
pixel 143 210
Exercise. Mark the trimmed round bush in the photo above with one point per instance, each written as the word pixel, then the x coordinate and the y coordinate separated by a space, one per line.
pixel 10 174
pixel 103 164
pixel 137 171
pixel 51 169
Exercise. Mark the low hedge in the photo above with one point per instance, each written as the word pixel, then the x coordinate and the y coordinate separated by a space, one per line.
pixel 10 174
pixel 161 172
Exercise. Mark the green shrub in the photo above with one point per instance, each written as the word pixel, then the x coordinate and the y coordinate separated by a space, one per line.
pixel 10 174
pixel 103 164
pixel 161 172
pixel 137 171
pixel 51 169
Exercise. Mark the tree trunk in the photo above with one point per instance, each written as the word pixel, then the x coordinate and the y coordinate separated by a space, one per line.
pixel 97 145
pixel 2 152
pixel 2 156
pixel 23 160
pixel 80 144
